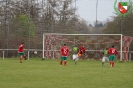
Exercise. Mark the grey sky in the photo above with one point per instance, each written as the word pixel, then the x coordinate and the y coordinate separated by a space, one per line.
pixel 87 9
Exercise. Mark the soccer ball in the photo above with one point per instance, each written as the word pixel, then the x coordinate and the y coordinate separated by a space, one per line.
pixel 35 52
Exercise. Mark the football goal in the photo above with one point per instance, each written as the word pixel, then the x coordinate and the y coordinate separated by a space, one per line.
pixel 94 44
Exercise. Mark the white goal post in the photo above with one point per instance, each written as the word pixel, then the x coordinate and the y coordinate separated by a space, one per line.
pixel 48 43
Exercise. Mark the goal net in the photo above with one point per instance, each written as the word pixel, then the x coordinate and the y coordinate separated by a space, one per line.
pixel 94 44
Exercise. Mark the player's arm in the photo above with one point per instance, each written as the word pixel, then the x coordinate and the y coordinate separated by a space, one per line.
pixel 60 51
pixel 109 52
pixel 78 50
pixel 116 52
pixel 67 51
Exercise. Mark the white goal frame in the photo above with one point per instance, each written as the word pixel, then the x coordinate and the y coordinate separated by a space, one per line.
pixel 88 35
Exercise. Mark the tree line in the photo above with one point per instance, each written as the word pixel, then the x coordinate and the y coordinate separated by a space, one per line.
pixel 26 20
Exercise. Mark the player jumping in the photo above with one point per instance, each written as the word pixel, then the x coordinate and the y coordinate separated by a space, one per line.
pixel 82 51
pixel 75 51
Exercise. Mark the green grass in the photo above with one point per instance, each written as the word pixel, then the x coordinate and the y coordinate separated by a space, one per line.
pixel 37 73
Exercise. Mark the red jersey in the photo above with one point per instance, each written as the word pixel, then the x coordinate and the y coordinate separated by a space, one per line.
pixel 64 51
pixel 112 51
pixel 21 48
pixel 82 49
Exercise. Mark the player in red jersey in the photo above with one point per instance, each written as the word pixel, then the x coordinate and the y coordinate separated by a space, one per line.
pixel 64 54
pixel 82 51
pixel 112 55
pixel 21 52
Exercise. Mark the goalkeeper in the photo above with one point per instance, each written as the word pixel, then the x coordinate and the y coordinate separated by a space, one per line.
pixel 75 51
pixel 105 56
pixel 82 51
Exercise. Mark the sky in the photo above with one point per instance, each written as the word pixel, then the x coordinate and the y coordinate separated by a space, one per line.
pixel 86 9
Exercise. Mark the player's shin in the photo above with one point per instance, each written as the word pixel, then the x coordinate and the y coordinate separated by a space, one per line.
pixel 113 64
pixel 106 63
pixel 61 62
pixel 25 57
pixel 20 59
pixel 75 62
pixel 65 63
pixel 102 63
pixel 110 63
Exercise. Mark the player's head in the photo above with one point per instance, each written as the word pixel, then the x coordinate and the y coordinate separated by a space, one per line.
pixel 64 44
pixel 106 48
pixel 112 46
pixel 22 43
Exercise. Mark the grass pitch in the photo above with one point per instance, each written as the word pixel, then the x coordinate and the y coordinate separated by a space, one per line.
pixel 37 73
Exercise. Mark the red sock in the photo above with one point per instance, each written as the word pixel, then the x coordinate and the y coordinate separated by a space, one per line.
pixel 20 60
pixel 110 63
pixel 65 63
pixel 113 64
pixel 61 62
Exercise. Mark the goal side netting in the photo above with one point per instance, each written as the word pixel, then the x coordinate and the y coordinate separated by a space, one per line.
pixel 94 44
